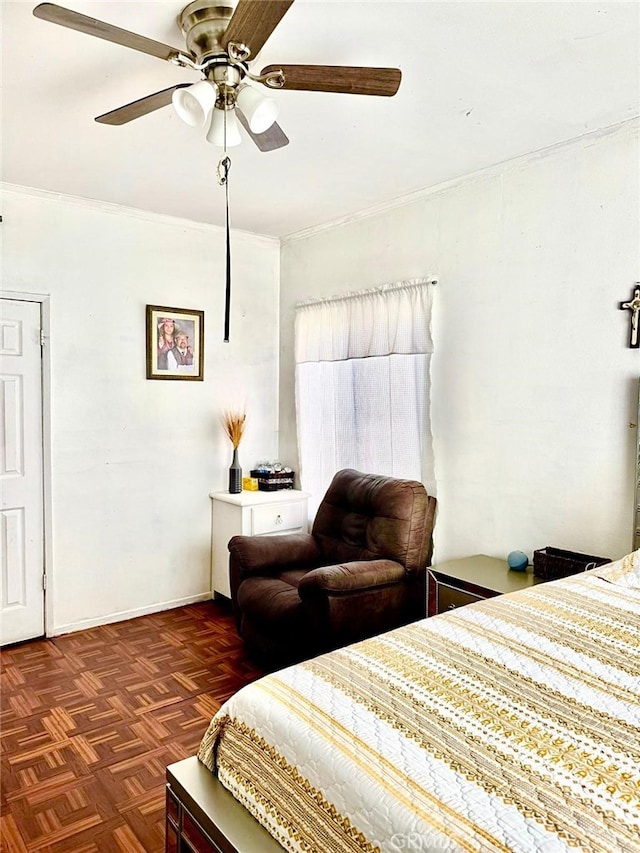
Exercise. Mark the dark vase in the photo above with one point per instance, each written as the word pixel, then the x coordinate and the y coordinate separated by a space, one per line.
pixel 235 474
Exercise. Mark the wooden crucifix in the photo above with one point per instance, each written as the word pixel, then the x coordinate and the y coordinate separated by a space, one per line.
pixel 633 305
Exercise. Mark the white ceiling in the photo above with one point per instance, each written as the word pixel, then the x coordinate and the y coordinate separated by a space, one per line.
pixel 482 82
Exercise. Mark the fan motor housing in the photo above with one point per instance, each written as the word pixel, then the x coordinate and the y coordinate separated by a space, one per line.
pixel 203 24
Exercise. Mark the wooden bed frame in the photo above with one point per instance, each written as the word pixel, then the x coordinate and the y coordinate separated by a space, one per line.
pixel 203 817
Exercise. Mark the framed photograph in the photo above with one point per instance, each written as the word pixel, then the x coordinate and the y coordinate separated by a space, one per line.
pixel 175 343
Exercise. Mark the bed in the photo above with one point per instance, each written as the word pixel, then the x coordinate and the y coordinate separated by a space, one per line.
pixel 512 724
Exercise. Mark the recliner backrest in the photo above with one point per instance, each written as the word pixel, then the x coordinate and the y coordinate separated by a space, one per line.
pixel 368 517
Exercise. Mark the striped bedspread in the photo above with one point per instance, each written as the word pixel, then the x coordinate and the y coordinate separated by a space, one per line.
pixel 508 725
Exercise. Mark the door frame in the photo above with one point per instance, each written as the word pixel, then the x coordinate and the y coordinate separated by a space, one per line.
pixel 44 300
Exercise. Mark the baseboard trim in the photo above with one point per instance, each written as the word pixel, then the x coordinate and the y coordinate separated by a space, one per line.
pixel 128 614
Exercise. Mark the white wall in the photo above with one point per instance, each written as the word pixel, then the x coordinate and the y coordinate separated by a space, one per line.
pixel 534 386
pixel 133 460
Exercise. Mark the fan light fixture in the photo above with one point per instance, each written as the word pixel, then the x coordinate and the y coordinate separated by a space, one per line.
pixel 194 103
pixel 260 111
pixel 216 133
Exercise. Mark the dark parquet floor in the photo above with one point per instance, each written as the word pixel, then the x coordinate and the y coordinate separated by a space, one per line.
pixel 90 720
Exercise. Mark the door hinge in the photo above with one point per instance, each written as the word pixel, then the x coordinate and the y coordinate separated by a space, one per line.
pixel 43 338
pixel 44 580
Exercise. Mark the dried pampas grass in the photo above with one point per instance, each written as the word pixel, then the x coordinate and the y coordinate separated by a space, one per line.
pixel 234 423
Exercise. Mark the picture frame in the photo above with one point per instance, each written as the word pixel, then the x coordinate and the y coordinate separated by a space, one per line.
pixel 175 343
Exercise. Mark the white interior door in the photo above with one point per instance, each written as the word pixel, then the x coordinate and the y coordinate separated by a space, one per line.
pixel 21 472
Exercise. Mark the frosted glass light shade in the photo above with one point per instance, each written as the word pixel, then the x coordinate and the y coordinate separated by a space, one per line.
pixel 260 111
pixel 216 129
pixel 194 103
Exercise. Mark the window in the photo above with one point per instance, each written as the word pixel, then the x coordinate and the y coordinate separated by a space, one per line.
pixel 362 385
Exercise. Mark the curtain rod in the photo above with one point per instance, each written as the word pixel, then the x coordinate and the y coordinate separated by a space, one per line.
pixel 383 288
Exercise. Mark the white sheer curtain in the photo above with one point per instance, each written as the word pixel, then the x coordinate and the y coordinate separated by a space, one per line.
pixel 363 383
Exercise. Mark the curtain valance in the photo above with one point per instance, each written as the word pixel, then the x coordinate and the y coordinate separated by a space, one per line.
pixel 393 319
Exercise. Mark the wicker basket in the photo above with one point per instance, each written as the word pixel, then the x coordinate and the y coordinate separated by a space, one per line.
pixel 553 563
pixel 273 481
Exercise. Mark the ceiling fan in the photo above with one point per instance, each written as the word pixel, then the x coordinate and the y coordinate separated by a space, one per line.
pixel 221 42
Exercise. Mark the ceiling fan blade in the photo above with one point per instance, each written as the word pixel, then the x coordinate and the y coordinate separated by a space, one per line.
pixel 253 21
pixel 270 140
pixel 84 24
pixel 141 107
pixel 337 78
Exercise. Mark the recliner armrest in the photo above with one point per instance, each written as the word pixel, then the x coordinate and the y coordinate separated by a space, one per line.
pixel 267 554
pixel 351 577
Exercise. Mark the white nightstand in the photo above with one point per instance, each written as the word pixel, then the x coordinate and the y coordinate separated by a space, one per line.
pixel 251 514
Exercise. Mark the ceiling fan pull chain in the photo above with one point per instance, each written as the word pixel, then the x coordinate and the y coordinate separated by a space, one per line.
pixel 227 298
pixel 223 179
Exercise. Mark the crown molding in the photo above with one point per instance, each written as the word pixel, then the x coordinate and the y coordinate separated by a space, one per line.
pixel 131 212
pixel 629 127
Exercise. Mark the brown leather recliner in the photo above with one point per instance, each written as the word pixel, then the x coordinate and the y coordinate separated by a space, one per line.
pixel 360 571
